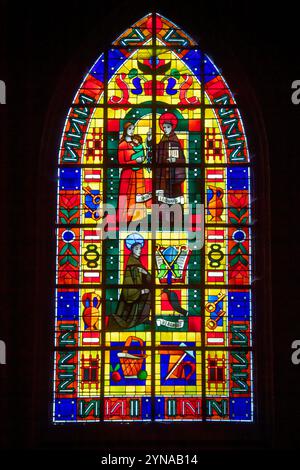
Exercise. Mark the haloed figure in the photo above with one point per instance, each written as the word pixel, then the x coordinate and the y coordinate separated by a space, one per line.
pixel 135 299
pixel 170 170
pixel 132 191
pixel 170 173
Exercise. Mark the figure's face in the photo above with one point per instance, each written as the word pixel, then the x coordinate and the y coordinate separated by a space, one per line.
pixel 130 130
pixel 137 250
pixel 167 128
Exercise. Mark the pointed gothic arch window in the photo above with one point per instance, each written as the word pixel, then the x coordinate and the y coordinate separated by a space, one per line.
pixel 153 299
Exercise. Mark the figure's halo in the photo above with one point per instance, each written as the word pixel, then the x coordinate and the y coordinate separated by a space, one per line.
pixel 134 238
pixel 169 118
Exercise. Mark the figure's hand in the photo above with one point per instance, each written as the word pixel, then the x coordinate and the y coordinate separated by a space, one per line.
pixel 149 134
pixel 140 159
pixel 142 270
pixel 145 291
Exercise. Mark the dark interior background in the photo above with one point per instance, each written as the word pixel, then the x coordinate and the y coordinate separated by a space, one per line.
pixel 45 51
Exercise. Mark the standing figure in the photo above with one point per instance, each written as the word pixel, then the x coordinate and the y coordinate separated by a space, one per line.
pixel 135 299
pixel 170 173
pixel 132 197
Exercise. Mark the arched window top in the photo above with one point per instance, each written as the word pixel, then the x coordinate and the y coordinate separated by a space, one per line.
pixel 154 323
pixel 131 55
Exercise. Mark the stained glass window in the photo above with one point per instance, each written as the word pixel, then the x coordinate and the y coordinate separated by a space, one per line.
pixel 153 314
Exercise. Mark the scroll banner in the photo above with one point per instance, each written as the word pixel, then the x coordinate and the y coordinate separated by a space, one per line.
pixel 143 197
pixel 169 200
pixel 169 324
